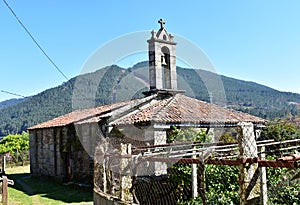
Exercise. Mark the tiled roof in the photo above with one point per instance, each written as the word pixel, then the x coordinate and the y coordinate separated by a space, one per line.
pixel 176 109
pixel 180 109
pixel 77 116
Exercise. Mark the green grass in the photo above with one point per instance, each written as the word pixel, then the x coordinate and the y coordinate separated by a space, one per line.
pixel 30 190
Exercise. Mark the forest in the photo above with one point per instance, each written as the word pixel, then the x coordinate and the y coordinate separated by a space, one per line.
pixel 113 83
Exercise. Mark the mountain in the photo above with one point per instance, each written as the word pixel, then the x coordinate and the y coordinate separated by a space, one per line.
pixel 11 102
pixel 249 97
pixel 113 83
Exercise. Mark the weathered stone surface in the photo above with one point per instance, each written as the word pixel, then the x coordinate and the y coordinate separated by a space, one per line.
pixel 57 152
pixel 125 174
pixel 105 199
pixel 162 60
pixel 249 190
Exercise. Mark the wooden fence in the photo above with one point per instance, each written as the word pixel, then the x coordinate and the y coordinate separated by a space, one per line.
pixel 4 186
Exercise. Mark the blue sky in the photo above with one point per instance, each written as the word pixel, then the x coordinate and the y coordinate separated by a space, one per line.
pixel 251 40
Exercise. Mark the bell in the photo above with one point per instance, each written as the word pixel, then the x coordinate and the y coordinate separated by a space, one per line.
pixel 163 61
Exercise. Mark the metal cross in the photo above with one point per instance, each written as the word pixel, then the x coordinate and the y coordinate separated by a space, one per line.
pixel 161 22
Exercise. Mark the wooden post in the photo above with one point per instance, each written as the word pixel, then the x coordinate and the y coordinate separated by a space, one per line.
pixel 194 178
pixel 263 180
pixel 3 164
pixel 17 157
pixel 211 134
pixel 5 183
pixel 4 190
pixel 104 176
pixel 201 173
pixel 249 190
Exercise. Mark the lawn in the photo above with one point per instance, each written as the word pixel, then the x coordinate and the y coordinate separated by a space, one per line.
pixel 29 190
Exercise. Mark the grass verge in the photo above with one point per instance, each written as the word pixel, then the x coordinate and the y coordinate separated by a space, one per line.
pixel 30 190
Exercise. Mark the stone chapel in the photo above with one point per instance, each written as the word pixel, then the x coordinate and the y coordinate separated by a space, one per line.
pixel 56 148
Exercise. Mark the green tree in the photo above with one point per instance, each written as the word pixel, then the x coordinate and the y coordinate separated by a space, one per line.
pixel 187 135
pixel 220 180
pixel 283 183
pixel 17 145
pixel 181 173
pixel 281 130
pixel 282 188
pixel 14 143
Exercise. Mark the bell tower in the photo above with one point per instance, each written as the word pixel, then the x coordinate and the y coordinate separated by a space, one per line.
pixel 162 60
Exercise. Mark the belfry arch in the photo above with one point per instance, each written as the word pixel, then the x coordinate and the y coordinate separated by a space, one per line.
pixel 165 63
pixel 162 60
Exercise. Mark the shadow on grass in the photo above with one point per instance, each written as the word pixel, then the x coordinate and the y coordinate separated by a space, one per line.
pixel 50 188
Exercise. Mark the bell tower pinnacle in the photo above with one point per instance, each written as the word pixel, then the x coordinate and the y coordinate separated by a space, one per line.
pixel 162 60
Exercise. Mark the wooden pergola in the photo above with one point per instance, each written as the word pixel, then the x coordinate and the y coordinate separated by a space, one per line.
pixel 232 154
pixel 183 155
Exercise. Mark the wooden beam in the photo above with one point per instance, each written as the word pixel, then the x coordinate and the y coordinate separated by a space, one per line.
pixel 261 163
pixel 281 164
pixel 294 157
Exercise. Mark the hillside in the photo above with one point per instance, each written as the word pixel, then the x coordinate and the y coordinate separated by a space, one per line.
pixel 11 102
pixel 119 84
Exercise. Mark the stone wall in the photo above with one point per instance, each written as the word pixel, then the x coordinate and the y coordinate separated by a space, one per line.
pixel 43 152
pixel 58 152
pixel 115 175
pixel 104 199
pixel 112 177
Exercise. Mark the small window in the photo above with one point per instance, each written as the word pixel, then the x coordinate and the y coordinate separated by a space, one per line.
pixel 165 37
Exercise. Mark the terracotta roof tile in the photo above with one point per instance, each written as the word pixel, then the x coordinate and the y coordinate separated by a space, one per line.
pixel 182 109
pixel 77 116
pixel 177 109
